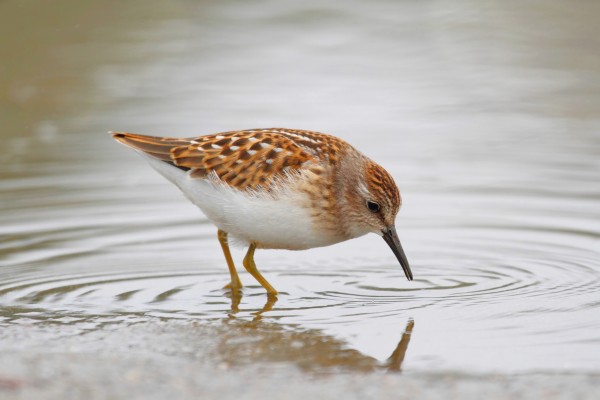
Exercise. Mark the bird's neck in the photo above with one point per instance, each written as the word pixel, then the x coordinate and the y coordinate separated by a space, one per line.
pixel 347 183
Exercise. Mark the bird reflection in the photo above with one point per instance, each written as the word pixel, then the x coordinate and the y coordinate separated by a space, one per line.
pixel 258 340
pixel 236 299
pixel 394 363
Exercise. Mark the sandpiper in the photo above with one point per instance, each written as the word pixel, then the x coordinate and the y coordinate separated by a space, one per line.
pixel 278 188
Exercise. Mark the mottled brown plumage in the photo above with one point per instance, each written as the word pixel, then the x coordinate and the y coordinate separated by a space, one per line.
pixel 243 159
pixel 307 189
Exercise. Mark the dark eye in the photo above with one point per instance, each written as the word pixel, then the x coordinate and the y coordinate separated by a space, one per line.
pixel 372 206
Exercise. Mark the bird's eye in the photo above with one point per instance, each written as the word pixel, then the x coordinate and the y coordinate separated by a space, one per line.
pixel 373 207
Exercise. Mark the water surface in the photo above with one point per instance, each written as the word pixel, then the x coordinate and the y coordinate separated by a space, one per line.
pixel 487 117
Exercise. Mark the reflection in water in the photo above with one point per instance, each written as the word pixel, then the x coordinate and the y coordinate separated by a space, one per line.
pixel 310 350
pixel 238 341
pixel 236 298
pixel 397 357
pixel 331 352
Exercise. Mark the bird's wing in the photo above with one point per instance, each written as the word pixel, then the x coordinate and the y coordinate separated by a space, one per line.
pixel 247 159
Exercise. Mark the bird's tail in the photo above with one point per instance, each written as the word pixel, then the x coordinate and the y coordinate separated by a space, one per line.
pixel 156 147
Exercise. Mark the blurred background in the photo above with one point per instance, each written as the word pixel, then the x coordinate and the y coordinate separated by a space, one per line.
pixel 486 113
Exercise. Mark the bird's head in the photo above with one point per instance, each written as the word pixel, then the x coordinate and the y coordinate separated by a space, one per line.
pixel 373 201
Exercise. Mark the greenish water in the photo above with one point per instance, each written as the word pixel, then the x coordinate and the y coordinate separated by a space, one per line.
pixel 488 117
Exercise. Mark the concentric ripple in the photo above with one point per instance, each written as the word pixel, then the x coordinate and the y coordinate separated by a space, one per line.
pixel 497 271
pixel 529 280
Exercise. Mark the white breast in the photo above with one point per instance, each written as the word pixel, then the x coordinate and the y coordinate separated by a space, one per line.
pixel 281 222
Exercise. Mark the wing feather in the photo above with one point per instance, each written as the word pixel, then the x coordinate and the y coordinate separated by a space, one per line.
pixel 243 159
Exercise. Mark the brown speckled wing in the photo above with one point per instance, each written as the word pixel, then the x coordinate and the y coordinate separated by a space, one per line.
pixel 243 159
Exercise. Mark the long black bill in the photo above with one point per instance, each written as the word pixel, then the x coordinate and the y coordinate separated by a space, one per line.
pixel 391 238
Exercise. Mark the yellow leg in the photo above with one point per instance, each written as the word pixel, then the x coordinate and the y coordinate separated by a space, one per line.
pixel 251 267
pixel 235 283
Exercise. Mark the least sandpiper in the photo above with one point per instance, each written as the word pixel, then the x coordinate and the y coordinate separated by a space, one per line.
pixel 278 189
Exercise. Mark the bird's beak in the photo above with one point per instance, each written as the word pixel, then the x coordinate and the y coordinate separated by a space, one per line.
pixel 391 238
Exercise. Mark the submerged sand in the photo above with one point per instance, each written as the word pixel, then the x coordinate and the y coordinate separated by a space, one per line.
pixel 160 359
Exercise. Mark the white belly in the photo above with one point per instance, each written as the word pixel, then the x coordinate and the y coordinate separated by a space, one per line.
pixel 283 222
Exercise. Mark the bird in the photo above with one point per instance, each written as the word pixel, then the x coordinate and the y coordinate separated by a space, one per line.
pixel 278 188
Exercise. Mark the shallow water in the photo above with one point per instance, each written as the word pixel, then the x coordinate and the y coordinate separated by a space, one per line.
pixel 488 118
